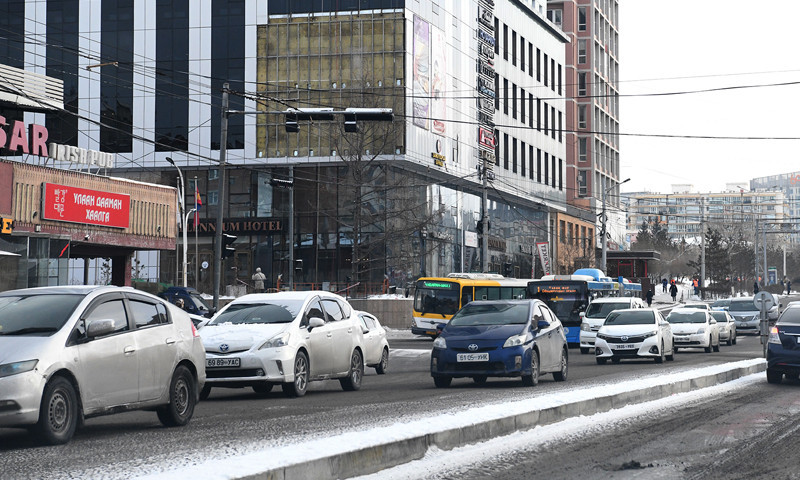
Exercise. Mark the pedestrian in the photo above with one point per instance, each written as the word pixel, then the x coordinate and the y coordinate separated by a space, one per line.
pixel 696 285
pixel 649 296
pixel 664 285
pixel 755 287
pixel 179 303
pixel 258 280
pixel 788 287
pixel 673 290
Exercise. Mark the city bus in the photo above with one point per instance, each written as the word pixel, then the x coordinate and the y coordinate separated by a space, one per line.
pixel 569 295
pixel 436 299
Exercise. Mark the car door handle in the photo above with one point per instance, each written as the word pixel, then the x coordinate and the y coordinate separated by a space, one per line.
pixel 170 341
pixel 330 335
pixel 129 349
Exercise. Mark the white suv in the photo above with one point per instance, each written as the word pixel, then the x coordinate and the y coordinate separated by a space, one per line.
pixel 596 313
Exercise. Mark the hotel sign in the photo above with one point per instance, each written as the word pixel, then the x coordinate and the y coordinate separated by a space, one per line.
pixel 63 203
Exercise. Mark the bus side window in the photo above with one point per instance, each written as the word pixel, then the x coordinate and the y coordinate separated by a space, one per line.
pixel 465 296
pixel 480 293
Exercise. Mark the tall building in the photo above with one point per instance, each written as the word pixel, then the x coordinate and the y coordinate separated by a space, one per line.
pixel 478 89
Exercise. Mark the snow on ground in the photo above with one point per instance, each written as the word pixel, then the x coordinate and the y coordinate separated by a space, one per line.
pixel 269 458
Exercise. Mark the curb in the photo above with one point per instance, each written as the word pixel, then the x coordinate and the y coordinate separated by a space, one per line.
pixel 372 459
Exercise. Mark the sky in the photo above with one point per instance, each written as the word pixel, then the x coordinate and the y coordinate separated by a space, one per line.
pixel 688 45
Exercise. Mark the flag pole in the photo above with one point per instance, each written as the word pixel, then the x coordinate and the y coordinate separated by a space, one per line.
pixel 196 256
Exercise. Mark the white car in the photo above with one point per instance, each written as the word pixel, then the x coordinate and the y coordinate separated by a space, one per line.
pixel 694 328
pixel 287 338
pixel 726 325
pixel 376 346
pixel 634 333
pixel 74 352
pixel 700 305
pixel 596 313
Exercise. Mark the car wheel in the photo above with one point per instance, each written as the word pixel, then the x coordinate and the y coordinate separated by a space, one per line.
pixel 532 379
pixel 600 361
pixel 730 341
pixel 561 375
pixel 584 350
pixel 716 347
pixel 660 357
pixel 205 392
pixel 479 379
pixel 442 381
pixel 675 349
pixel 300 385
pixel 381 368
pixel 671 356
pixel 182 399
pixel 58 413
pixel 708 348
pixel 352 382
pixel 734 339
pixel 264 387
pixel 773 376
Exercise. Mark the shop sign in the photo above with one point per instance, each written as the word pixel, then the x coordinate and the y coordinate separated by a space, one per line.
pixel 438 159
pixel 486 37
pixel 6 225
pixel 485 137
pixel 486 17
pixel 80 205
pixel 244 226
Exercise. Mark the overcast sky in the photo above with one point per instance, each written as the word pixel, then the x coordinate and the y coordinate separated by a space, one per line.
pixel 687 45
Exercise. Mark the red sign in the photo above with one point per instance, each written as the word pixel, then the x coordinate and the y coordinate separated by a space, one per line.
pixel 81 205
pixel 485 137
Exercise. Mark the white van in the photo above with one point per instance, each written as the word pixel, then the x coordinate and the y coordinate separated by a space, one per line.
pixel 596 313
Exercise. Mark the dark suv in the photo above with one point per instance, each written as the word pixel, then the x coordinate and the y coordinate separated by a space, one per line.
pixel 193 302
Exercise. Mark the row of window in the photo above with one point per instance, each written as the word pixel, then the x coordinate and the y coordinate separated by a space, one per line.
pixel 574 234
pixel 520 158
pixel 541 116
pixel 542 67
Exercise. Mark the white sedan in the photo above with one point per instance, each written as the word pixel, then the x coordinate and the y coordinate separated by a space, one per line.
pixel 694 328
pixel 286 338
pixel 376 346
pixel 634 333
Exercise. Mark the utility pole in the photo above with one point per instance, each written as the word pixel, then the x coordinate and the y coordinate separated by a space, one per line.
pixel 485 220
pixel 603 243
pixel 220 195
pixel 702 244
pixel 291 228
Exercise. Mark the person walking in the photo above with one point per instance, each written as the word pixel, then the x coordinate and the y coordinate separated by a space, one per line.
pixel 673 290
pixel 258 280
pixel 664 285
pixel 755 287
pixel 788 287
pixel 696 285
pixel 649 296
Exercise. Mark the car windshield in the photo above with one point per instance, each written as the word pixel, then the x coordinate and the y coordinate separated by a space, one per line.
pixel 36 314
pixel 602 309
pixel 701 306
pixel 790 316
pixel 635 317
pixel 720 317
pixel 250 313
pixel 742 306
pixel 491 314
pixel 199 301
pixel 687 317
pixel 721 303
pixel 440 301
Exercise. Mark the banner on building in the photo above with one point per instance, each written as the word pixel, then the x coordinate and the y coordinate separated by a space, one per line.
pixel 422 75
pixel 80 205
pixel 544 257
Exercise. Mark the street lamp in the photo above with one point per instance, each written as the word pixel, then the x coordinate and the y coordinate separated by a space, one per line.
pixel 604 221
pixel 183 218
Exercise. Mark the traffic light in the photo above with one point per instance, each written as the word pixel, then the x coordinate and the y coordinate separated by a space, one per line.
pixel 296 115
pixel 354 115
pixel 227 249
pixel 507 269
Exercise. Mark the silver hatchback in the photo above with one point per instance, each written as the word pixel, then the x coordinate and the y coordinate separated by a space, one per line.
pixel 68 353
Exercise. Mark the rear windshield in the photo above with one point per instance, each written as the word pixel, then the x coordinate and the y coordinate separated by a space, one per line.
pixel 602 309
pixel 720 317
pixel 492 314
pixel 742 306
pixel 283 312
pixel 36 314
pixel 790 316
pixel 636 317
pixel 693 317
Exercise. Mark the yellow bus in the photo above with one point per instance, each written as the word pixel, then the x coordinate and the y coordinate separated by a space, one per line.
pixel 436 299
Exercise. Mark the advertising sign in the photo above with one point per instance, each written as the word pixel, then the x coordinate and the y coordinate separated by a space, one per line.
pixel 80 205
pixel 421 76
pixel 544 256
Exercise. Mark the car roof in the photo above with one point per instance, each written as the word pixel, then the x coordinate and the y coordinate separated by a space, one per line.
pixel 688 310
pixel 613 300
pixel 68 290
pixel 292 295
pixel 628 310
pixel 509 301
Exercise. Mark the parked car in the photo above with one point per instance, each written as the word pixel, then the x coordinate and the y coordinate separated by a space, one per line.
pixel 193 302
pixel 748 316
pixel 700 305
pixel 74 352
pixel 376 346
pixel 721 304
pixel 783 346
pixel 694 328
pixel 596 313
pixel 285 338
pixel 726 326
pixel 500 338
pixel 634 333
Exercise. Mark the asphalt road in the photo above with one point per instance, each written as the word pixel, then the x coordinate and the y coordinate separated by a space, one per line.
pixel 237 421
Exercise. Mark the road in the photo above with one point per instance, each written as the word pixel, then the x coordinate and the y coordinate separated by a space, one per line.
pixel 234 422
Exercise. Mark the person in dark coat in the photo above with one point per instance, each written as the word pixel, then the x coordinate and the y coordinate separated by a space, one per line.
pixel 755 287
pixel 664 283
pixel 673 290
pixel 649 296
pixel 788 287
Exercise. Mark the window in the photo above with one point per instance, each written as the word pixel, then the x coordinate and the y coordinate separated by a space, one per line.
pixel 514 48
pixel 522 54
pixel 497 40
pixel 147 314
pixel 505 151
pixel 505 96
pixel 496 91
pixel 582 84
pixel 530 60
pixel 497 147
pixel 581 19
pixel 546 119
pixel 538 65
pixel 555 16
pixel 546 168
pixel 514 155
pixel 505 42
pixel 581 51
pixel 530 110
pixel 530 162
pixel 314 311
pixel 115 310
pixel 546 76
pixel 513 101
pixel 522 105
pixel 560 174
pixel 213 197
pixel 560 127
pixel 553 166
pixel 333 310
pixel 581 116
pixel 583 147
pixel 582 189
pixel 539 165
pixel 522 149
pixel 562 235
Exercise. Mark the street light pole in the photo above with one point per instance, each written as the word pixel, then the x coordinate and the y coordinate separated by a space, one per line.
pixel 221 195
pixel 604 245
pixel 182 208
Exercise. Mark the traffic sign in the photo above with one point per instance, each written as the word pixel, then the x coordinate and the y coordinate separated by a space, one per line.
pixel 766 298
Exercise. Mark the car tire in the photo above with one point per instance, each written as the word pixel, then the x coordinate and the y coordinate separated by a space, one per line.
pixel 479 379
pixel 729 342
pixel 299 387
pixel 601 361
pixel 671 356
pixel 561 375
pixel 352 381
pixel 205 392
pixel 716 347
pixel 734 339
pixel 584 350
pixel 58 413
pixel 262 388
pixel 182 399
pixel 532 379
pixel 660 357
pixel 774 376
pixel 675 349
pixel 442 381
pixel 381 368
pixel 708 348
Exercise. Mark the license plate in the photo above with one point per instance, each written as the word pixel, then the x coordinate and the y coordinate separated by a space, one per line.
pixel 623 346
pixel 473 357
pixel 682 339
pixel 741 324
pixel 222 362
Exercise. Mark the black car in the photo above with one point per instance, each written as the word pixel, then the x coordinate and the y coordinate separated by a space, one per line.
pixel 783 347
pixel 193 302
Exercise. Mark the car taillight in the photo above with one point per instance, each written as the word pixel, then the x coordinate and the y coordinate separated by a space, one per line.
pixel 773 336
pixel 194 330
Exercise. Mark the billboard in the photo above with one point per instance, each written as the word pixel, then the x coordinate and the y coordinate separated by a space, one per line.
pixel 63 203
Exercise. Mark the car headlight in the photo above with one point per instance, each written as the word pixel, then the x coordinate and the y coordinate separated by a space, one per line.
pixel 280 340
pixel 515 341
pixel 17 367
pixel 701 330
pixel 649 334
pixel 585 327
pixel 603 336
pixel 440 342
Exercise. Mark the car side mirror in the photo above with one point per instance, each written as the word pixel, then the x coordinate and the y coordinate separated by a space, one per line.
pixel 542 324
pixel 315 322
pixel 101 327
pixel 582 314
pixel 364 329
pixel 713 322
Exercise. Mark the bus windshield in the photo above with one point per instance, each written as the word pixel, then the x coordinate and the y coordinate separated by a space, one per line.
pixel 437 297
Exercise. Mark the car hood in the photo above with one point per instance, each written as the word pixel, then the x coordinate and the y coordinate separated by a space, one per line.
pixel 686 328
pixel 23 347
pixel 238 337
pixel 481 332
pixel 618 330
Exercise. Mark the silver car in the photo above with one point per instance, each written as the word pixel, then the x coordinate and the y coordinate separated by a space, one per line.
pixel 726 325
pixel 748 316
pixel 68 353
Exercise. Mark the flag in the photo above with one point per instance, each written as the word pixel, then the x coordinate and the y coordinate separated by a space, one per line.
pixel 198 203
